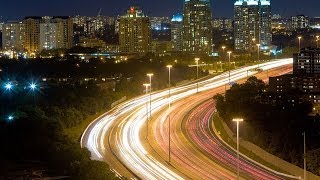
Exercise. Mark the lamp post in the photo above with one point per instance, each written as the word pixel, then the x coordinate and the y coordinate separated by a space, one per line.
pixel 223 48
pixel 150 81
pixel 229 54
pixel 317 41
pixel 305 158
pixel 238 120
pixel 197 62
pixel 169 120
pixel 147 112
pixel 299 38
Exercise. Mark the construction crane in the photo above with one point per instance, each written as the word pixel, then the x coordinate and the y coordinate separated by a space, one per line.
pixel 99 13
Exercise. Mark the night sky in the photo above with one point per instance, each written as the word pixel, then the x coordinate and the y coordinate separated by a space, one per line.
pixel 16 9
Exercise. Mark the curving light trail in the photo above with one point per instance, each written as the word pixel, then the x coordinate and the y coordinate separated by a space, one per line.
pixel 119 132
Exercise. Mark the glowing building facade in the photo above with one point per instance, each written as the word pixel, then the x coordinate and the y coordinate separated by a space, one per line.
pixel 252 24
pixel 197 28
pixel 135 32
pixel 176 32
pixel 13 36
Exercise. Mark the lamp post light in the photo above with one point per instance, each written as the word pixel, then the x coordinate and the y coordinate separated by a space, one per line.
pixel 10 118
pixel 169 120
pixel 8 86
pixel 150 81
pixel 33 86
pixel 238 120
pixel 299 38
pixel 258 45
pixel 197 62
pixel 223 48
pixel 147 112
pixel 229 66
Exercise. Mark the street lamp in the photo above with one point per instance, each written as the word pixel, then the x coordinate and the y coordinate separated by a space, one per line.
pixel 258 45
pixel 299 38
pixel 147 112
pixel 169 120
pixel 150 81
pixel 223 48
pixel 237 120
pixel 8 86
pixel 197 61
pixel 229 53
pixel 10 118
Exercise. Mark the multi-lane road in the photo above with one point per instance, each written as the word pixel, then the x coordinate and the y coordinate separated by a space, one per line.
pixel 120 136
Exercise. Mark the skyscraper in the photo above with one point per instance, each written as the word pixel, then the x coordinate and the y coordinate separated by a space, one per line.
pixel 64 34
pixel 135 32
pixel 47 34
pixel 56 32
pixel 13 36
pixel 176 32
pixel 197 29
pixel 32 34
pixel 252 24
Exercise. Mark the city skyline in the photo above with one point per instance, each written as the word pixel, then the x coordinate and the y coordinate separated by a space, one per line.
pixel 13 10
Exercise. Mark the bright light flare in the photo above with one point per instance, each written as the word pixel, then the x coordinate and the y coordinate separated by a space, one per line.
pixel 33 86
pixel 10 118
pixel 8 86
pixel 237 120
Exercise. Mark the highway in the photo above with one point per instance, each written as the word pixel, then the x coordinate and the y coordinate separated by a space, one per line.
pixel 205 160
pixel 119 136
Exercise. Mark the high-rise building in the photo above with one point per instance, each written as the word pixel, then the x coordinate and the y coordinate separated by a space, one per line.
pixel 135 32
pixel 48 32
pixel 222 24
pixel 13 36
pixel 300 22
pixel 252 24
pixel 197 28
pixel 32 34
pixel 64 31
pixel 307 62
pixel 176 32
pixel 56 32
pixel 156 22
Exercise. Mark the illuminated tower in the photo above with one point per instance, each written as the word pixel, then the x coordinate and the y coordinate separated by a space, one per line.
pixel 176 32
pixel 135 32
pixel 197 29
pixel 252 24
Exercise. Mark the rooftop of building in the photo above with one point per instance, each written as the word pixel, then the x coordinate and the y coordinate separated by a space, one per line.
pixel 252 2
